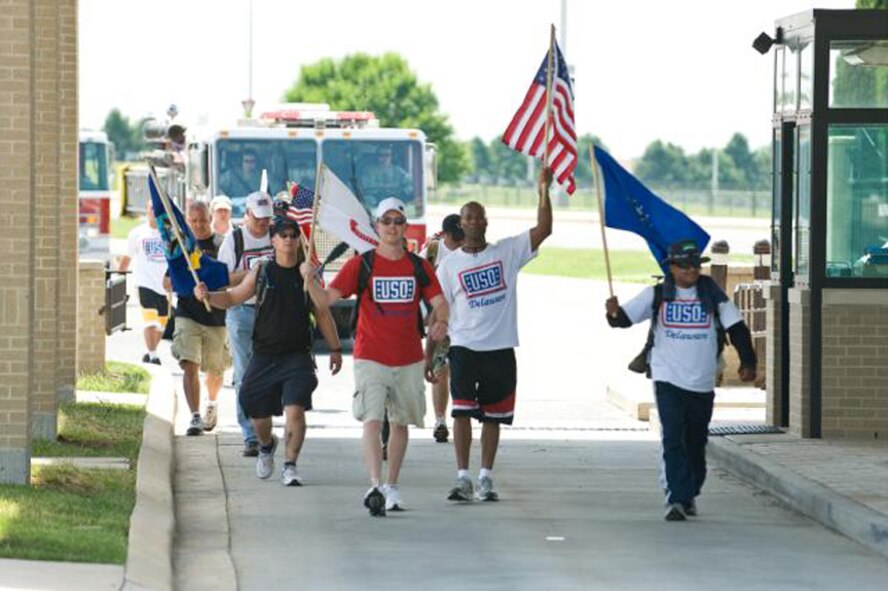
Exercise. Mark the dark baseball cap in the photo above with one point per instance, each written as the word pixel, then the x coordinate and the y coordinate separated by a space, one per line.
pixel 685 251
pixel 281 223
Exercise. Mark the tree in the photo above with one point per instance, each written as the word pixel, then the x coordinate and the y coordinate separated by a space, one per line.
pixel 126 137
pixel 386 86
pixel 663 163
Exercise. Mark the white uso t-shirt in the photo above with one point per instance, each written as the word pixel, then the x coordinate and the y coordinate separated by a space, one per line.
pixel 255 249
pixel 685 342
pixel 145 249
pixel 480 289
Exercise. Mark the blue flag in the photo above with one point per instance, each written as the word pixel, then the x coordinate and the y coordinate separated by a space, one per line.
pixel 210 271
pixel 629 205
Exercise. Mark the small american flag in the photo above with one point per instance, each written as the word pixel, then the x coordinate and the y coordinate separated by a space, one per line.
pixel 300 211
pixel 526 133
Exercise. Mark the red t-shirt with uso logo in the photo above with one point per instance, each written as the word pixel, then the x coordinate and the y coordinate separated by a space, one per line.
pixel 387 320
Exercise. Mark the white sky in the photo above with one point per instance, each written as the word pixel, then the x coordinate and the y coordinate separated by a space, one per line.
pixel 682 71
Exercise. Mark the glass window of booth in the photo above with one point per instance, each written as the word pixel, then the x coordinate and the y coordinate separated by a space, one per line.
pixel 858 76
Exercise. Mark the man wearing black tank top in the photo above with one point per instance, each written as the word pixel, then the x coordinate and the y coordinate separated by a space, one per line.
pixel 281 375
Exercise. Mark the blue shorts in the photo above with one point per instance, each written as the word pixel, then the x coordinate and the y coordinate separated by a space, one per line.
pixel 272 382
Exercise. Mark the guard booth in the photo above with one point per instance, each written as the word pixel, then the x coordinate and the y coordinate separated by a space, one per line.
pixel 827 302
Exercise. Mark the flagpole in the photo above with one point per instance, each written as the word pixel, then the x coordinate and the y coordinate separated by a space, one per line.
pixel 597 176
pixel 314 215
pixel 174 224
pixel 549 69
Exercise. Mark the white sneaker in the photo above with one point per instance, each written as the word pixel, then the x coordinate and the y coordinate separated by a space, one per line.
pixel 265 461
pixel 195 427
pixel 392 497
pixel 289 475
pixel 462 490
pixel 210 418
pixel 485 490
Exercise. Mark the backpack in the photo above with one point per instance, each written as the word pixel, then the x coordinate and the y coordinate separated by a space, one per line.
pixel 262 283
pixel 640 363
pixel 364 273
pixel 238 235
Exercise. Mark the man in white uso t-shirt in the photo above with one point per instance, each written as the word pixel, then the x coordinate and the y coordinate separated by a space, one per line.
pixel 478 281
pixel 683 364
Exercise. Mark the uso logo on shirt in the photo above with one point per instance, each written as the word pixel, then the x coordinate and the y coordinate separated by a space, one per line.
pixel 153 248
pixel 685 314
pixel 483 280
pixel 394 290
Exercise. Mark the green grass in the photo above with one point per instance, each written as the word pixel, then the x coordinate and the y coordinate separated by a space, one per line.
pixel 121 226
pixel 586 263
pixel 95 430
pixel 68 514
pixel 117 377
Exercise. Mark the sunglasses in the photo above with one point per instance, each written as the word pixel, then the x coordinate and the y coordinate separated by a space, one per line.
pixel 687 264
pixel 398 221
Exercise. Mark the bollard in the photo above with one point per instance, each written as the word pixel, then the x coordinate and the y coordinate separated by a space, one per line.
pixel 718 269
pixel 762 252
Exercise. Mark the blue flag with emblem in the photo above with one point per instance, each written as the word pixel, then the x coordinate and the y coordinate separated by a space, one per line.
pixel 629 205
pixel 210 271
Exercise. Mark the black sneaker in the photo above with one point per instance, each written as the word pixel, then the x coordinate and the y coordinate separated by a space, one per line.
pixel 690 509
pixel 195 427
pixel 251 449
pixel 146 358
pixel 441 433
pixel 675 512
pixel 155 360
pixel 374 500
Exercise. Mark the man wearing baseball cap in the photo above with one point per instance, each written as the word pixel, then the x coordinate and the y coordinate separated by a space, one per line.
pixel 241 250
pixel 689 314
pixel 388 351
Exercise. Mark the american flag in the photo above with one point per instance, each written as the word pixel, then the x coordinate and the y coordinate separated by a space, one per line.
pixel 300 211
pixel 526 133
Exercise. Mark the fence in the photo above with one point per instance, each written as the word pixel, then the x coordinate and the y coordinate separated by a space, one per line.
pixel 739 203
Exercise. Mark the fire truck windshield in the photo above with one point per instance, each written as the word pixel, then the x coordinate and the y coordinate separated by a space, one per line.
pixel 239 165
pixel 376 169
pixel 93 166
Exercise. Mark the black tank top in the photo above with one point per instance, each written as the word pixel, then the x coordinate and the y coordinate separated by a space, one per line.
pixel 282 324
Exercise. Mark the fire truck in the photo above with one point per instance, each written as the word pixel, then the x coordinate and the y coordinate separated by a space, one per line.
pixel 287 142
pixel 94 194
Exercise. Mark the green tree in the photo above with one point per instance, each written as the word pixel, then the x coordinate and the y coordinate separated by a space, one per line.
pixel 126 136
pixel 663 164
pixel 480 157
pixel 583 172
pixel 386 86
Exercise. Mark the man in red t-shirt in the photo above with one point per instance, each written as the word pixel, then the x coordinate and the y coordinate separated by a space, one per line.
pixel 389 360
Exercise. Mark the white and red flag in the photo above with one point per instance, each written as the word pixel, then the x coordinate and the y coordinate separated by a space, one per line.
pixel 341 214
pixel 527 133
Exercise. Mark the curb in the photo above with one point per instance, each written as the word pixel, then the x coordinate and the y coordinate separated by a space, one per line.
pixel 149 562
pixel 812 499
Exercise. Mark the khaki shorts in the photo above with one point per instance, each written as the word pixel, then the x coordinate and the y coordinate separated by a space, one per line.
pixel 398 390
pixel 205 345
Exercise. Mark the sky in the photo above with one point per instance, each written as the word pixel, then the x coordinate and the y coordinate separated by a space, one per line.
pixel 682 71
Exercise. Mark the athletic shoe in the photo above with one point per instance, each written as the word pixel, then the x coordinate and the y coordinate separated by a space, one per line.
pixel 675 512
pixel 251 449
pixel 155 360
pixel 462 490
pixel 374 500
pixel 485 490
pixel 146 358
pixel 265 461
pixel 441 433
pixel 196 426
pixel 210 418
pixel 289 475
pixel 691 509
pixel 392 497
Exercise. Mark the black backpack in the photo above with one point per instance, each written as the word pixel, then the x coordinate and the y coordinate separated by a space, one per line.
pixel 366 269
pixel 640 363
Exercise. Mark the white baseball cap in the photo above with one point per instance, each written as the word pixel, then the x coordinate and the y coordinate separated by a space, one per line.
pixel 259 204
pixel 220 202
pixel 390 204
